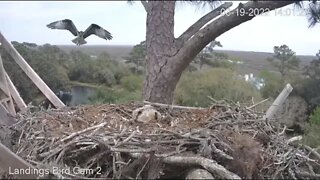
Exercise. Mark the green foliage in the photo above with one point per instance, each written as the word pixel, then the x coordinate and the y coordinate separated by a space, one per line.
pixel 310 92
pixel 272 85
pixel 53 74
pixel 79 67
pixel 137 58
pixel 315 116
pixel 284 60
pixel 221 63
pixel 192 67
pixel 219 83
pixel 102 70
pixel 312 135
pixel 213 59
pixel 313 70
pixel 104 95
pixel 126 96
pixel 309 86
pixel 47 60
pixel 132 83
pixel 130 89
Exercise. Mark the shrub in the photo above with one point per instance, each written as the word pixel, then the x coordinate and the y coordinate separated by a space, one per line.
pixel 125 96
pixel 132 82
pixel 272 85
pixel 103 76
pixel 103 70
pixel 312 131
pixel 219 83
pixel 315 116
pixel 104 95
pixel 312 135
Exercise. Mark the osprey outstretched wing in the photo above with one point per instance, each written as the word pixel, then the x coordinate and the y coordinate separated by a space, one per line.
pixel 66 24
pixel 98 31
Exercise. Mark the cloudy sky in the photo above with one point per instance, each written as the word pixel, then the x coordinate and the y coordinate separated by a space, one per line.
pixel 26 22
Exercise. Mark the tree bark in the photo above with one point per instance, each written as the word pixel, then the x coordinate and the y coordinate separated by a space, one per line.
pixel 168 57
pixel 160 79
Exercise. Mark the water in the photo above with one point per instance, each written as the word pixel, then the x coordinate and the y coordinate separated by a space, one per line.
pixel 81 94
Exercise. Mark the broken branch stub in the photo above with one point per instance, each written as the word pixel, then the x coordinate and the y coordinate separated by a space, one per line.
pixel 278 102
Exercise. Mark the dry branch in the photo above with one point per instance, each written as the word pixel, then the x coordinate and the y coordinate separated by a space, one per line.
pixel 83 131
pixel 208 164
pixel 223 140
pixel 172 106
pixel 254 105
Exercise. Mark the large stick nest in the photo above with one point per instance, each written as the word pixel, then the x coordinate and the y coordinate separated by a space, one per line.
pixel 105 141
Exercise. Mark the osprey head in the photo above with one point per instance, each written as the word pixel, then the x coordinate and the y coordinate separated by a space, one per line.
pixel 80 34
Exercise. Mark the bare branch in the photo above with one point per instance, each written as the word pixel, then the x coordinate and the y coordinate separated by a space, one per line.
pixel 145 5
pixel 313 151
pixel 202 21
pixel 217 27
pixel 172 106
pixel 83 131
pixel 208 164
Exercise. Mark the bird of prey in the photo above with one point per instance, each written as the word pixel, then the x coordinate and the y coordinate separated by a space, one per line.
pixel 67 24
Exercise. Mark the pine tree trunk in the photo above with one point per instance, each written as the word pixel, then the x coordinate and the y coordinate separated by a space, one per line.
pixel 160 81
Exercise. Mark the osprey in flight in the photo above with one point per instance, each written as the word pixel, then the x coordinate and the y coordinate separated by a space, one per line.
pixel 79 40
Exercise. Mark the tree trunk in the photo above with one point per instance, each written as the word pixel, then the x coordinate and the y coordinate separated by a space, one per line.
pixel 160 81
pixel 167 57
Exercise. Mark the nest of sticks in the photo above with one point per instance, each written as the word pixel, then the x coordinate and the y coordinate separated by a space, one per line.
pixel 225 140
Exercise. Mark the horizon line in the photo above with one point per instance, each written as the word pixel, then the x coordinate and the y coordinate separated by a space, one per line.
pixel 136 44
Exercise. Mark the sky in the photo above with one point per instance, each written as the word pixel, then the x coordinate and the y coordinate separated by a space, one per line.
pixel 26 22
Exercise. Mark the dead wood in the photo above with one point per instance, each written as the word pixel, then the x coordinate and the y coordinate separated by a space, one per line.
pixel 227 140
pixel 199 174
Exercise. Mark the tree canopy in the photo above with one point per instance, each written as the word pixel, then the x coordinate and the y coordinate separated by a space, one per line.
pixel 284 59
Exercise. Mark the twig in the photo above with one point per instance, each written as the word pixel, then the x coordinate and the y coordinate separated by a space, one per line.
pixel 254 105
pixel 145 164
pixel 124 112
pixel 126 140
pixel 95 131
pixel 293 139
pixel 60 156
pixel 305 174
pixel 173 106
pixel 20 137
pixel 142 150
pixel 83 131
pixel 114 167
pixel 187 135
pixel 312 151
pixel 220 153
pixel 283 131
pixel 291 173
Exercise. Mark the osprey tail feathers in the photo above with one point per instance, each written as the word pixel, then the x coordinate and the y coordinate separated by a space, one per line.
pixel 79 41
